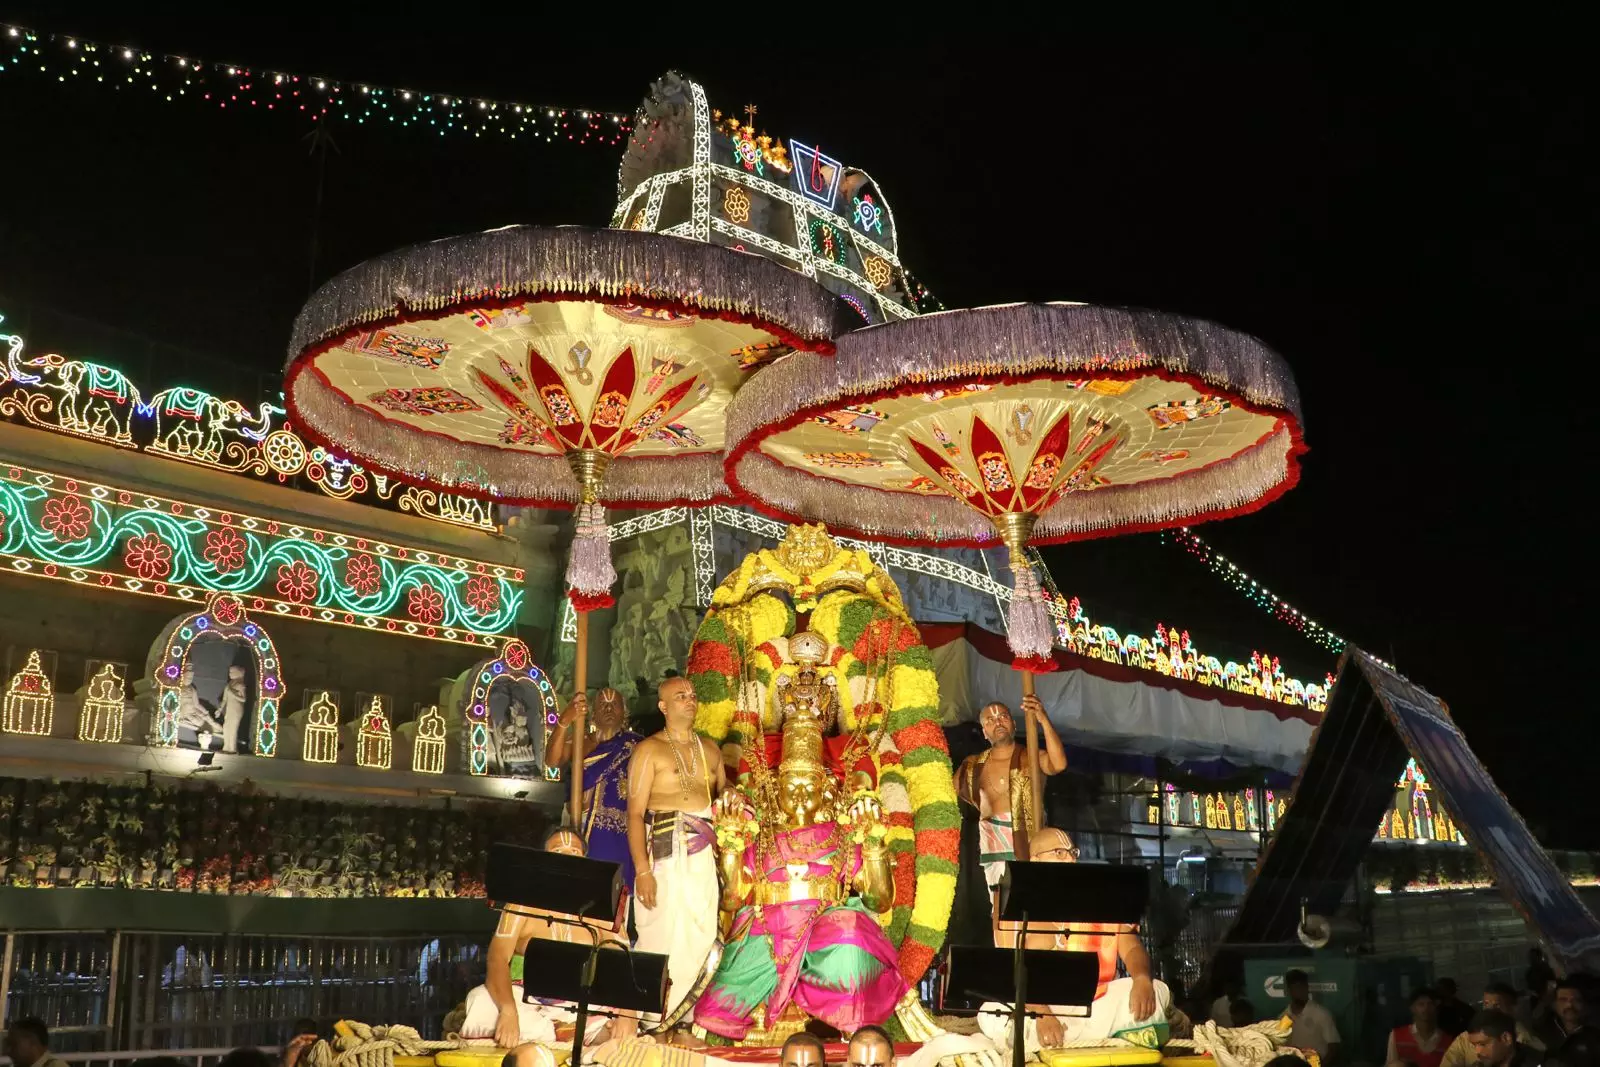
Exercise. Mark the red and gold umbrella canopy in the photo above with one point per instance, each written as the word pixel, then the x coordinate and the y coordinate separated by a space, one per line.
pixel 554 367
pixel 1041 422
pixel 549 366
pixel 478 364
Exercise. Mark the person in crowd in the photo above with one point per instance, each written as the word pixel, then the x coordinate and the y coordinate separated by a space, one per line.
pixel 1493 1035
pixel 870 1047
pixel 1312 1025
pixel 246 1057
pixel 1454 1013
pixel 1497 996
pixel 1422 1042
pixel 1232 990
pixel 1568 1018
pixel 1241 1013
pixel 803 1050
pixel 302 1035
pixel 1538 976
pixel 28 1044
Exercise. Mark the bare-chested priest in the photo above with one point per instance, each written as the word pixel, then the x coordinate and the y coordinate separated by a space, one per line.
pixel 497 1009
pixel 995 782
pixel 673 777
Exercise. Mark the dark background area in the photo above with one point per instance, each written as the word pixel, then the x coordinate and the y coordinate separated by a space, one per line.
pixel 1392 208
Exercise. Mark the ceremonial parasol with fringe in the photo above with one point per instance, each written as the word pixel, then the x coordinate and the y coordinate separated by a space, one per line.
pixel 549 367
pixel 1026 423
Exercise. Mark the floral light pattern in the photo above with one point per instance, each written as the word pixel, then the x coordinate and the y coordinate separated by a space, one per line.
pixel 425 604
pixel 297 582
pixel 224 550
pixel 149 557
pixel 66 518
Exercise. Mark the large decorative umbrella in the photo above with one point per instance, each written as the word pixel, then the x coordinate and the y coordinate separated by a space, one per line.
pixel 564 367
pixel 1038 423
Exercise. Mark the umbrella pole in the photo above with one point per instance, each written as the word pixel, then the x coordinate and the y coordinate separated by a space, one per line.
pixel 580 687
pixel 1035 786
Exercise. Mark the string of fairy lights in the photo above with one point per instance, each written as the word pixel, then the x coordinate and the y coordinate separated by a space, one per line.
pixel 1252 590
pixel 233 87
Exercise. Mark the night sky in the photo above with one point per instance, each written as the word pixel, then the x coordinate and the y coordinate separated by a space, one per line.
pixel 1394 211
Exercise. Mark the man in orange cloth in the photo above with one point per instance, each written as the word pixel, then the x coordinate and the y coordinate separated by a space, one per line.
pixel 1133 1008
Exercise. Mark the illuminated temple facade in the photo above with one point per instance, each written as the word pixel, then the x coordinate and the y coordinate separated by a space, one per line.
pixel 237 664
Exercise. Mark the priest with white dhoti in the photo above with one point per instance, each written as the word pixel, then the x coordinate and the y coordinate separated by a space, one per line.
pixel 672 779
pixel 1132 1009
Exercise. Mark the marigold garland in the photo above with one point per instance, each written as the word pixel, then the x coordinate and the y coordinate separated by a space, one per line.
pixel 915 783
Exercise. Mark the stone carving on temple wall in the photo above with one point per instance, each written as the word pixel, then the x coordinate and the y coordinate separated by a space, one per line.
pixel 656 615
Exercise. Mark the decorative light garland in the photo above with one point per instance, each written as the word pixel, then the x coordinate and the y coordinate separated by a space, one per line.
pixel 100 404
pixel 90 534
pixel 104 704
pixel 1254 591
pixel 1168 651
pixel 223 619
pixel 810 196
pixel 374 742
pixel 30 703
pixel 427 752
pixel 513 664
pixel 321 741
pixel 232 87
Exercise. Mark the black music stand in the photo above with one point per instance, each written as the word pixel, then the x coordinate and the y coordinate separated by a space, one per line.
pixel 1056 893
pixel 1074 892
pixel 570 886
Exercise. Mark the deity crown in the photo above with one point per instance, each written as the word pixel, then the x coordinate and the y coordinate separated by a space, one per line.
pixel 802 740
pixel 805 551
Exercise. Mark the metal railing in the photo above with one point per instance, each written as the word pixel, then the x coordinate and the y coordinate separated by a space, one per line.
pixel 99 991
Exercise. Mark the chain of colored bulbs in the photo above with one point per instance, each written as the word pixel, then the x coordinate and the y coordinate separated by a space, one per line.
pixel 1253 591
pixel 230 86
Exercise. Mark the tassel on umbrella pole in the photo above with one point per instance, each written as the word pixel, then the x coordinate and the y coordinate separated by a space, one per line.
pixel 1028 623
pixel 590 575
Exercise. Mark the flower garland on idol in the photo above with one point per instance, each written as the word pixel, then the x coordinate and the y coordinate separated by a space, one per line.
pixel 890 683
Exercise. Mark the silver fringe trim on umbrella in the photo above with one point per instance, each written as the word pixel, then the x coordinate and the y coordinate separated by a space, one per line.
pixel 535 261
pixel 498 473
pixel 590 572
pixel 1017 339
pixel 1211 492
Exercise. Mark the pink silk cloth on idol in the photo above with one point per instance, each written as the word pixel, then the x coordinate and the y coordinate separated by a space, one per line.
pixel 834 961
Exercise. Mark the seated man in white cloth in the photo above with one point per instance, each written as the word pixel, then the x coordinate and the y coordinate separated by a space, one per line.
pixel 673 776
pixel 1132 1009
pixel 496 1008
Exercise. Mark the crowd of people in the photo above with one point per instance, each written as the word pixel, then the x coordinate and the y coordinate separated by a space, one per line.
pixel 1554 1023
pixel 28 1045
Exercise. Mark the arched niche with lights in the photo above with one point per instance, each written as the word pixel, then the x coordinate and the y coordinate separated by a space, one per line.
pixel 507 707
pixel 198 649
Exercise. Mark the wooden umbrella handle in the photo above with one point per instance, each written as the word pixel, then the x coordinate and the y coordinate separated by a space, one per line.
pixel 580 687
pixel 1035 785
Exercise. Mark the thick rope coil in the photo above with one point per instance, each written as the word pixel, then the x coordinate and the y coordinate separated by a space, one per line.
pixel 1241 1046
pixel 360 1045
